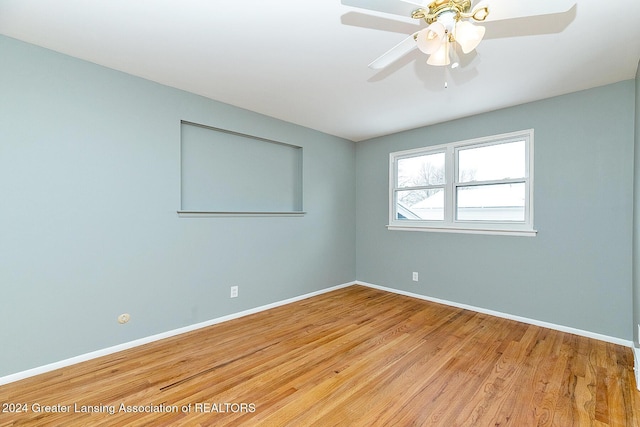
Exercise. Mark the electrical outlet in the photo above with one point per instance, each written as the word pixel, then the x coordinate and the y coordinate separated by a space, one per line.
pixel 234 292
pixel 415 276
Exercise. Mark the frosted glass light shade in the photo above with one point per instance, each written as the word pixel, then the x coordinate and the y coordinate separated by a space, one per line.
pixel 440 57
pixel 430 39
pixel 453 55
pixel 468 35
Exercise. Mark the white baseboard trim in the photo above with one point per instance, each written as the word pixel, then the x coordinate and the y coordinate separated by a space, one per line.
pixel 527 320
pixel 636 365
pixel 131 344
pixel 125 346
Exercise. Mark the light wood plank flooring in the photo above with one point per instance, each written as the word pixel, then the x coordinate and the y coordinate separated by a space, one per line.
pixel 352 357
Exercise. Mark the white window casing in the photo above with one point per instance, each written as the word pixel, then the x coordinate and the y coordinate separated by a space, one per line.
pixel 494 197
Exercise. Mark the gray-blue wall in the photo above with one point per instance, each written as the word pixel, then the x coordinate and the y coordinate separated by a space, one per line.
pixel 89 189
pixel 577 271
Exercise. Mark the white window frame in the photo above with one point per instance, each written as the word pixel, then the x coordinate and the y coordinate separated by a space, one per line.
pixel 450 223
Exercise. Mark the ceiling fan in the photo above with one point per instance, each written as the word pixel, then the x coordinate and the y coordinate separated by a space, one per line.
pixel 452 24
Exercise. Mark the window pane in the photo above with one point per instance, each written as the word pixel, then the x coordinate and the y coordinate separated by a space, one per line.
pixel 493 162
pixel 421 170
pixel 420 204
pixel 498 202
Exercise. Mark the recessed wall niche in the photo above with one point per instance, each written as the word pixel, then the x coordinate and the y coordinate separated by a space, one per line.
pixel 229 173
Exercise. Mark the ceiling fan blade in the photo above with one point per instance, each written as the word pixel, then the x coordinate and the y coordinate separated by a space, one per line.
pixel 509 9
pixel 394 7
pixel 418 3
pixel 395 53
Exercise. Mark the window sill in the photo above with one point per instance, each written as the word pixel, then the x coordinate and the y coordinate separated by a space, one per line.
pixel 204 214
pixel 491 231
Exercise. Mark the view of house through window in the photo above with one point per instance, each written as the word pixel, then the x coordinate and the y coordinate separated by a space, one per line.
pixel 423 177
pixel 479 184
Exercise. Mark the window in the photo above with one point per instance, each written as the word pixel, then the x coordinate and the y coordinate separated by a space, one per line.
pixel 483 185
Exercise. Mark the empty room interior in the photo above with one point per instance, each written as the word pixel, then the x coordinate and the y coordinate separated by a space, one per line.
pixel 215 213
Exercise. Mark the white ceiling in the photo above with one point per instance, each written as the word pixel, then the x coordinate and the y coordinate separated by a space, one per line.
pixel 306 62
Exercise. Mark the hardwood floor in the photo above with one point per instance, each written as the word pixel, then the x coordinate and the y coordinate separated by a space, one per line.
pixel 352 357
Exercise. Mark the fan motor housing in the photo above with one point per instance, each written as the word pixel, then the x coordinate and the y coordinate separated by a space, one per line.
pixel 438 7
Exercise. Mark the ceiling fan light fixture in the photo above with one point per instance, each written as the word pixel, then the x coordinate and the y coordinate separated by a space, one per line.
pixel 468 35
pixel 481 13
pixel 441 56
pixel 457 17
pixel 455 59
pixel 430 39
pixel 448 20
